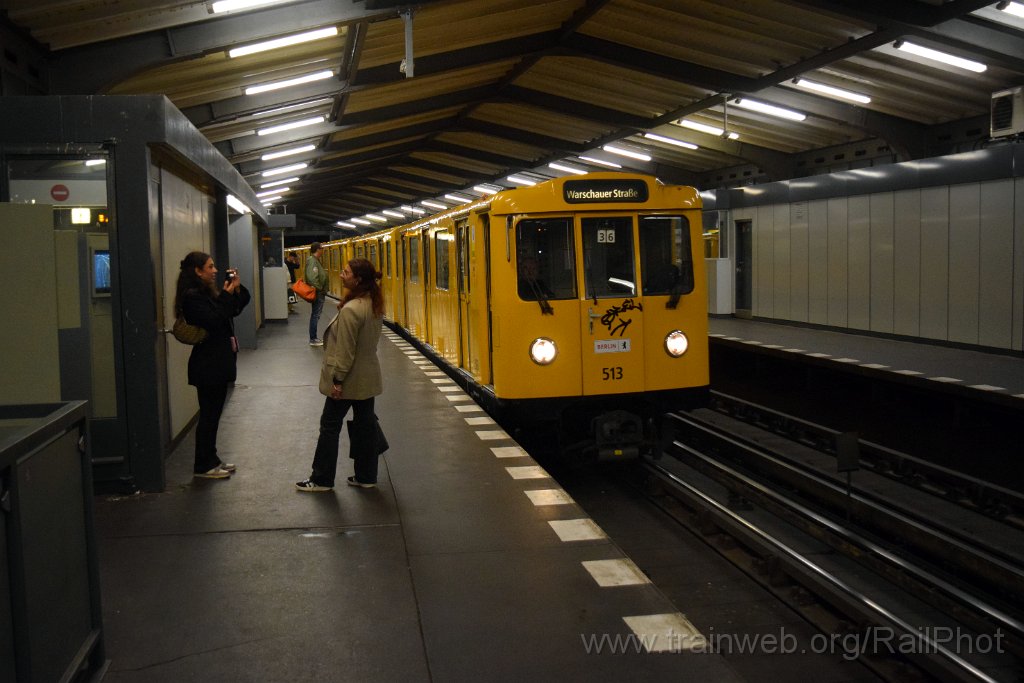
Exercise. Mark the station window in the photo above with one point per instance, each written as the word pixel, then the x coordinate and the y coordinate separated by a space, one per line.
pixel 608 257
pixel 665 256
pixel 544 258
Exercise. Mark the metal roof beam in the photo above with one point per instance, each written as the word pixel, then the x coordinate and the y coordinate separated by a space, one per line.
pixel 94 68
pixel 603 115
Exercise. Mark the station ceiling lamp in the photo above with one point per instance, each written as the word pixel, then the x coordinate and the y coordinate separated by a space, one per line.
pixel 290 82
pixel 831 91
pixel 939 56
pixel 284 41
pixel 770 109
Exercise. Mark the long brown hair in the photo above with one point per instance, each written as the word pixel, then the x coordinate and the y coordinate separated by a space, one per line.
pixel 369 284
pixel 188 280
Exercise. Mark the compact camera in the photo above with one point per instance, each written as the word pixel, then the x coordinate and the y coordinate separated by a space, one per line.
pixel 231 275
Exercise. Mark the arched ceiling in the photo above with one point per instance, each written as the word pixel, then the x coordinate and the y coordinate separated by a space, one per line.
pixel 503 87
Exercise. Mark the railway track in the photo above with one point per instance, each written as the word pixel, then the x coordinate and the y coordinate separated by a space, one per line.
pixel 943 582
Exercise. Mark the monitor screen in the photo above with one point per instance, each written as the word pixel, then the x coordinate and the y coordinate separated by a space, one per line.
pixel 101 271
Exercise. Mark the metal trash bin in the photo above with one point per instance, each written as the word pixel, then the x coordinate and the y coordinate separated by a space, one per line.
pixel 51 624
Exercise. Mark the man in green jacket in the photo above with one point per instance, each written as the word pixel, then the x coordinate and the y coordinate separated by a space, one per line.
pixel 316 277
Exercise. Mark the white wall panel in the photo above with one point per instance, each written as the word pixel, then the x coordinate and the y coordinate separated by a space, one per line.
pixel 838 255
pixel 907 274
pixel 964 256
pixel 883 207
pixel 817 243
pixel 935 262
pixel 798 262
pixel 995 281
pixel 780 265
pixel 764 252
pixel 859 263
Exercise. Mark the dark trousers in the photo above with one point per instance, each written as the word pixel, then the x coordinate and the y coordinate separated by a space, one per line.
pixel 211 405
pixel 361 448
pixel 314 315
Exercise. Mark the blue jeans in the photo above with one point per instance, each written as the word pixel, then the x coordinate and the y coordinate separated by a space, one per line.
pixel 314 316
pixel 361 448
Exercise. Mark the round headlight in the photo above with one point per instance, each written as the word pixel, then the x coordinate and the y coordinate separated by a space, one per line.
pixel 676 343
pixel 542 351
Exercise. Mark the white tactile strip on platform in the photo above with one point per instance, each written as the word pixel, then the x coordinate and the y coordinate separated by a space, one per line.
pixel 472 408
pixel 543 497
pixel 666 633
pixel 987 387
pixel 571 530
pixel 475 421
pixel 458 397
pixel 528 472
pixel 946 380
pixel 610 573
pixel 508 452
pixel 492 435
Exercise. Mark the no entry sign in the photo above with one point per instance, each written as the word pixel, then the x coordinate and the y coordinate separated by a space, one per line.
pixel 60 192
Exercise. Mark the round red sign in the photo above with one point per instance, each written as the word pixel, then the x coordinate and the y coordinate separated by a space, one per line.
pixel 60 192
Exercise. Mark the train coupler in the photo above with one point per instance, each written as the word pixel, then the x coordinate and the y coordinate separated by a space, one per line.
pixel 618 435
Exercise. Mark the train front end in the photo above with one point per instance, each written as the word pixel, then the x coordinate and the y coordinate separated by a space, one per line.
pixel 599 308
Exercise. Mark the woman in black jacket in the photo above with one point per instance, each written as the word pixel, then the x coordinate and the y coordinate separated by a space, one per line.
pixel 212 363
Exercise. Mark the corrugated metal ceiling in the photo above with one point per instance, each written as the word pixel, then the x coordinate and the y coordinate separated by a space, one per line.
pixel 505 86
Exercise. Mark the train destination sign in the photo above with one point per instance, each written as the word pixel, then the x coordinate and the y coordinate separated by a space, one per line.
pixel 588 191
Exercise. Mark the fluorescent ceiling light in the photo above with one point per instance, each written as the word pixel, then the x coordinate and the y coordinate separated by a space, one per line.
pixel 487 189
pixel 232 5
pixel 269 200
pixel 1014 8
pixel 274 191
pixel 935 55
pixel 289 107
pixel 520 180
pixel 95 162
pixel 375 217
pixel 291 125
pixel 285 41
pixel 279 182
pixel 287 152
pixel 705 128
pixel 299 80
pixel 393 214
pixel 670 141
pixel 284 169
pixel 360 221
pixel 346 224
pixel 433 205
pixel 770 109
pixel 601 162
pixel 830 90
pixel 458 198
pixel 237 205
pixel 622 151
pixel 565 168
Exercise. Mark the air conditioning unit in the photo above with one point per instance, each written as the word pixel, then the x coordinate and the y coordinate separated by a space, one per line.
pixel 1007 112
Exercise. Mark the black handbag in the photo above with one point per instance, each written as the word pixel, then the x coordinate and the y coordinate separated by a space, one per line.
pixel 380 442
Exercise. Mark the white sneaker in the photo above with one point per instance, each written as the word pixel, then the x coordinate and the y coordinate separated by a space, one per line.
pixel 316 342
pixel 216 473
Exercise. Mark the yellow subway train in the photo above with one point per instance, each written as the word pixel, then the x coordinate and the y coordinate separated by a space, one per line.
pixel 578 304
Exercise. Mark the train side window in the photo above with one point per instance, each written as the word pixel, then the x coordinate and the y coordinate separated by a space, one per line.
pixel 414 259
pixel 608 257
pixel 545 260
pixel 666 260
pixel 373 255
pixel 442 240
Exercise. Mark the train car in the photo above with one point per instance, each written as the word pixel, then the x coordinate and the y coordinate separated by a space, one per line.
pixel 578 304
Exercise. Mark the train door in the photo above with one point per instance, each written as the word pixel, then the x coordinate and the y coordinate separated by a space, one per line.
pixel 744 268
pixel 612 322
pixel 463 285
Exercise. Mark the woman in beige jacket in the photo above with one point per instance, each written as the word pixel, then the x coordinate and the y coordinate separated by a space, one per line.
pixel 350 378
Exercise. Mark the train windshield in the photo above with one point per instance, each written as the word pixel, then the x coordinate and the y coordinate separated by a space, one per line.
pixel 608 257
pixel 544 257
pixel 665 257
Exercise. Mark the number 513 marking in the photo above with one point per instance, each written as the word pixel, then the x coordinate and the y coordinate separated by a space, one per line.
pixel 611 373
